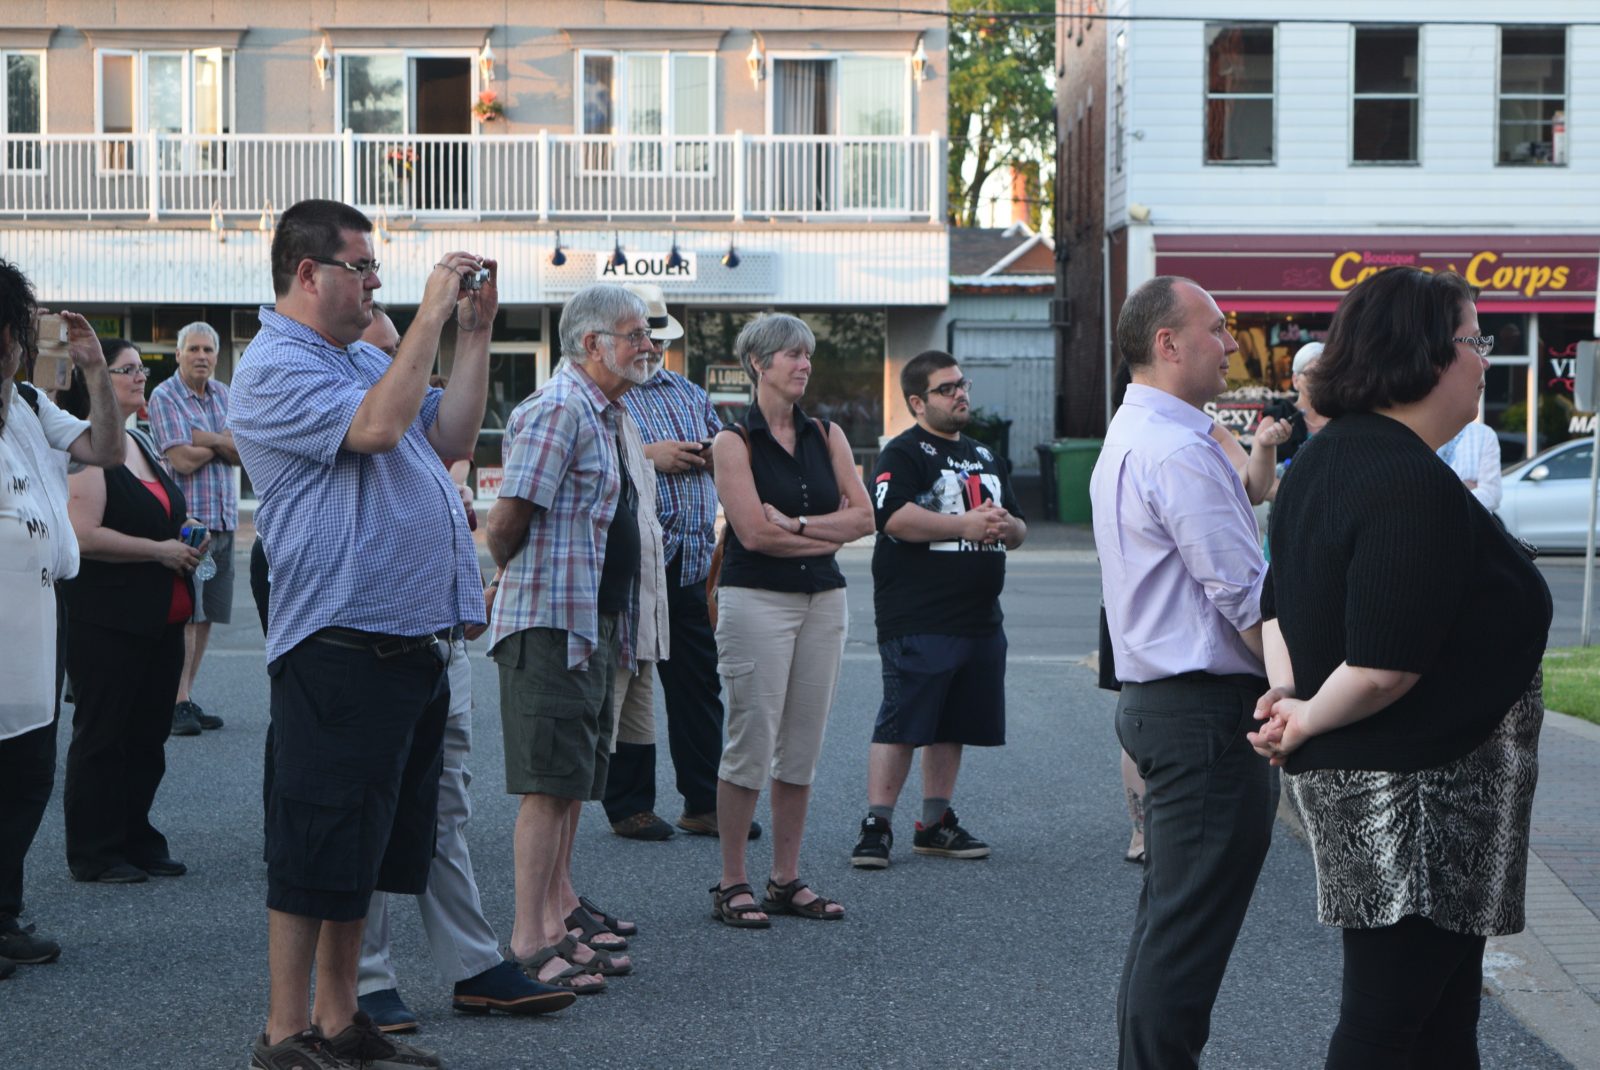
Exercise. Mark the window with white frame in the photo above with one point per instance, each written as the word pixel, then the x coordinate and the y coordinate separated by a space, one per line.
pixel 666 96
pixel 1239 93
pixel 407 110
pixel 22 109
pixel 863 104
pixel 1533 94
pixel 184 96
pixel 1120 107
pixel 1384 112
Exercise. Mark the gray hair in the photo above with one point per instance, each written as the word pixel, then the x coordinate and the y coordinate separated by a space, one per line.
pixel 1147 310
pixel 199 327
pixel 595 308
pixel 768 334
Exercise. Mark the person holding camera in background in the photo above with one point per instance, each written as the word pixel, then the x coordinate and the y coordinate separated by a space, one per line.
pixel 365 599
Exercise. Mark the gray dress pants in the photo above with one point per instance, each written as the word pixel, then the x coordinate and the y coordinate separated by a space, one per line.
pixel 1209 806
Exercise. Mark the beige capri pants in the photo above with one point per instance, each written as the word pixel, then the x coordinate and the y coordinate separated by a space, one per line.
pixel 633 706
pixel 778 654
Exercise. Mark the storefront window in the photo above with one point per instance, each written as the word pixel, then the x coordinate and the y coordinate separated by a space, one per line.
pixel 846 371
pixel 1262 368
pixel 1559 335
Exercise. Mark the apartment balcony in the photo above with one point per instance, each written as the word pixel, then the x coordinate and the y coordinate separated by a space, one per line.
pixel 540 176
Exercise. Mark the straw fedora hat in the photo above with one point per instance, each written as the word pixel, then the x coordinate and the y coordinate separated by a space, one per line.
pixel 663 327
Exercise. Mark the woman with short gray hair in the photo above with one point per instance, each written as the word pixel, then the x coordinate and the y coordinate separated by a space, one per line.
pixel 792 497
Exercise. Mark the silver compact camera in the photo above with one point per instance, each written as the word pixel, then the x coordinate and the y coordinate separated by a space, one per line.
pixel 475 280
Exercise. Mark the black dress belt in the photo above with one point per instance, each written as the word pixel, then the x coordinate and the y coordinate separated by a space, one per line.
pixel 382 645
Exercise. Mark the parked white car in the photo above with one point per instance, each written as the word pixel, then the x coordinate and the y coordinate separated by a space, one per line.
pixel 1545 499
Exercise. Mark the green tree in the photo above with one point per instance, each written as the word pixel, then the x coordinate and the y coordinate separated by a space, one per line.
pixel 1002 98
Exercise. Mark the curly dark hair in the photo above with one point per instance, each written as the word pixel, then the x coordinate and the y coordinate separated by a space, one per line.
pixel 18 308
pixel 1389 341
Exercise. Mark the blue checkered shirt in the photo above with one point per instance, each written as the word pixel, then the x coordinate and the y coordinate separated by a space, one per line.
pixel 378 541
pixel 669 406
pixel 561 454
pixel 175 413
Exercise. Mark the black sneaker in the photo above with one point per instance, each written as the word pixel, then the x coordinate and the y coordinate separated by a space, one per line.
pixel 303 1051
pixel 872 851
pixel 7 968
pixel 20 945
pixel 948 839
pixel 183 720
pixel 205 720
pixel 362 1044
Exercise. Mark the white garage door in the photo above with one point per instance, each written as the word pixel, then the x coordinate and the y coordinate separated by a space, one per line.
pixel 1012 368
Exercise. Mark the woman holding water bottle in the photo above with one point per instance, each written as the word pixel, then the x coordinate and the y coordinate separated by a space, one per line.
pixel 129 603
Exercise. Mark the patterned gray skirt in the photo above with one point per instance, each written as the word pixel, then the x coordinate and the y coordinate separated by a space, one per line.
pixel 1449 843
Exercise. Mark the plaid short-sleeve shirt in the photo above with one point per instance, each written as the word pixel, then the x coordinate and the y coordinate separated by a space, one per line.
pixel 175 413
pixel 561 454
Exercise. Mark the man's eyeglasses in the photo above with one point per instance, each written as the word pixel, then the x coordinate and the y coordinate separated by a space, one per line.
pixel 138 370
pixel 949 390
pixel 640 339
pixel 364 268
pixel 1480 342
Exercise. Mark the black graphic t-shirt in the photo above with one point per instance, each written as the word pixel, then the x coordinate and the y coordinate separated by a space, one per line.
pixel 939 588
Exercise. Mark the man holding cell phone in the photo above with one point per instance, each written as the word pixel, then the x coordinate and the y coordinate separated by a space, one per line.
pixel 677 423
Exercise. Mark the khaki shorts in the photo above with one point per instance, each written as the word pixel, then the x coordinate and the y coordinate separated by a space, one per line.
pixel 778 654
pixel 557 722
pixel 633 706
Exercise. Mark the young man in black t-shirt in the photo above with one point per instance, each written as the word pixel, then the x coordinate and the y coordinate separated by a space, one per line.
pixel 946 517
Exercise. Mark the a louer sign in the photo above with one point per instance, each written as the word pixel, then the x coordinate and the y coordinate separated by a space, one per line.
pixel 646 267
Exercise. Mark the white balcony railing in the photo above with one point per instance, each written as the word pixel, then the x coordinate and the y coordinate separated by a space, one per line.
pixel 539 176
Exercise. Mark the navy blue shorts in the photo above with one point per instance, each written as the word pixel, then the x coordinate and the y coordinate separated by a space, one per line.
pixel 943 689
pixel 354 777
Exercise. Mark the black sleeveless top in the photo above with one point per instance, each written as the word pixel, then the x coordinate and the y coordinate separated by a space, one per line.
pixel 131 596
pixel 801 484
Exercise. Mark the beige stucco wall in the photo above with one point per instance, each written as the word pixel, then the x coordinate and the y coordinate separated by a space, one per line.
pixel 278 90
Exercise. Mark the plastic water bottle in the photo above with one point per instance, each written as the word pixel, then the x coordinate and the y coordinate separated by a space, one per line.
pixel 196 537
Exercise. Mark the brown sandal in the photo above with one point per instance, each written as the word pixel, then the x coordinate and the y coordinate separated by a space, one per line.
pixel 780 900
pixel 724 911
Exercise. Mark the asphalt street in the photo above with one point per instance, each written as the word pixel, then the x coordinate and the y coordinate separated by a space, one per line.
pixel 1008 962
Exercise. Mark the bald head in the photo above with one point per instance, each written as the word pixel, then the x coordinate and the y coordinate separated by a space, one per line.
pixel 381 333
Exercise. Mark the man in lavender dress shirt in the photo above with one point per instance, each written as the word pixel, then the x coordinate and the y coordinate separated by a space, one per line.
pixel 1181 571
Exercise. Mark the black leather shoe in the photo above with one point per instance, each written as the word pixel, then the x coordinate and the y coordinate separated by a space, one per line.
pixel 121 873
pixel 164 867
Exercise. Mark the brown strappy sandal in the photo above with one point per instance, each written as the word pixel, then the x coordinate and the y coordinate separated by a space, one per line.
pixel 780 900
pixel 724 911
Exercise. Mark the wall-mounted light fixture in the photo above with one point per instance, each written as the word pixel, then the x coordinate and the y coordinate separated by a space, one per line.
pixel 674 258
pixel 618 257
pixel 267 222
pixel 730 259
pixel 557 257
pixel 381 224
pixel 1139 213
pixel 919 63
pixel 322 58
pixel 486 61
pixel 756 63
pixel 216 223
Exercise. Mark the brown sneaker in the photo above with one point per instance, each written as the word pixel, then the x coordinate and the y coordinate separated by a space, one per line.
pixel 645 826
pixel 706 825
pixel 362 1044
pixel 303 1051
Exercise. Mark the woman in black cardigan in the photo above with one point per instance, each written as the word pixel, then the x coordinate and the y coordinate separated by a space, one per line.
pixel 129 602
pixel 1404 663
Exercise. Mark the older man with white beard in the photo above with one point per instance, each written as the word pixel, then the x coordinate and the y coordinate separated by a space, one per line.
pixel 565 533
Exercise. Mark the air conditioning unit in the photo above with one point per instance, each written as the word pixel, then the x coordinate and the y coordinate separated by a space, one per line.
pixel 1061 311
